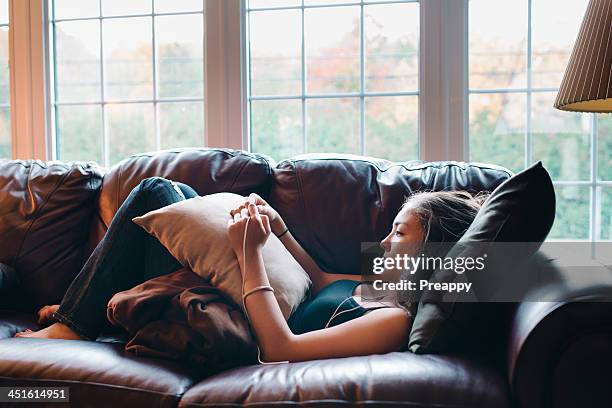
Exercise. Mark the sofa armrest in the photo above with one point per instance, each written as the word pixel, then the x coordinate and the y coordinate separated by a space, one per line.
pixel 560 349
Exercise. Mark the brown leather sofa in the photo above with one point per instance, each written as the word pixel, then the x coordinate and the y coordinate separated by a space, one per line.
pixel 53 214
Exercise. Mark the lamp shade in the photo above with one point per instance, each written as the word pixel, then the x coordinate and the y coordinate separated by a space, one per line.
pixel 587 83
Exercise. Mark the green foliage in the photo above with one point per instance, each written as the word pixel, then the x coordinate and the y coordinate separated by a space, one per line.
pixel 76 127
pixel 488 146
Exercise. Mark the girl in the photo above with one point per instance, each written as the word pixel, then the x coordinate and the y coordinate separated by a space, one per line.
pixel 334 320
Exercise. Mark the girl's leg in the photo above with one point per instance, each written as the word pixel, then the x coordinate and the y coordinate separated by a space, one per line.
pixel 124 258
pixel 156 258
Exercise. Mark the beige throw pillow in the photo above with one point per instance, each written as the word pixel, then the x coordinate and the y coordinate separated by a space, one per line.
pixel 195 232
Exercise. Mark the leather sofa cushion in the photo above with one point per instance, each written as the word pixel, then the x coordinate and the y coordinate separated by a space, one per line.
pixel 334 202
pixel 394 379
pixel 98 374
pixel 207 170
pixel 45 216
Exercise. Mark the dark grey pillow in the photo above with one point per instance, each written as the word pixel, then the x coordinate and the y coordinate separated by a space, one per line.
pixel 522 209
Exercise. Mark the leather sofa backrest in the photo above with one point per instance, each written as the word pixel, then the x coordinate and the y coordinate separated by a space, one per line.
pixel 333 202
pixel 207 170
pixel 45 213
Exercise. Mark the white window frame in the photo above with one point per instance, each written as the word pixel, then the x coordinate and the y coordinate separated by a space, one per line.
pixel 442 81
pixel 225 74
pixel 443 76
pixel 305 96
pixel 29 86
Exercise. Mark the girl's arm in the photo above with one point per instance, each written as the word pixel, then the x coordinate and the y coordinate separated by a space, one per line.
pixel 379 331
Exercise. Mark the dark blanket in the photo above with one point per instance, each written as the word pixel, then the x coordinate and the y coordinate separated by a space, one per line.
pixel 183 317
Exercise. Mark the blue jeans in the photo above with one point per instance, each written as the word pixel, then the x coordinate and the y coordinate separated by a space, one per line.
pixel 124 258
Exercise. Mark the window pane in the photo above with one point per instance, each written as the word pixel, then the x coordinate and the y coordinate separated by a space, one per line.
pixel 333 125
pixel 76 8
pixel 123 7
pixel 391 47
pixel 497 44
pixel 131 129
pixel 276 128
pixel 180 55
pixel 77 61
pixel 276 52
pixel 332 47
pixel 604 146
pixel 562 140
pixel 605 199
pixel 173 6
pixel 332 60
pixel 4 12
pixel 181 124
pixel 127 58
pixel 5 78
pixel 391 127
pixel 554 30
pixel 5 133
pixel 572 217
pixel 273 3
pixel 325 2
pixel 497 129
pixel 80 133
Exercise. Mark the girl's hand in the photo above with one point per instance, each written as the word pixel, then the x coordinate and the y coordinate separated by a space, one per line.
pixel 256 234
pixel 276 222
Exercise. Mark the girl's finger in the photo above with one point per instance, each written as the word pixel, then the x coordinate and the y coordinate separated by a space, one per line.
pixel 254 211
pixel 255 214
pixel 239 208
pixel 266 223
pixel 244 213
pixel 257 199
pixel 262 209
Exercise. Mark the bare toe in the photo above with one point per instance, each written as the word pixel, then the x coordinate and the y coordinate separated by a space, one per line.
pixel 21 333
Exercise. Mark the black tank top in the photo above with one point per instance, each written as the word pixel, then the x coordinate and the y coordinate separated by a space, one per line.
pixel 314 312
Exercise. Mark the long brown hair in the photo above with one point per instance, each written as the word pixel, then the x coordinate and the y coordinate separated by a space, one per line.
pixel 445 217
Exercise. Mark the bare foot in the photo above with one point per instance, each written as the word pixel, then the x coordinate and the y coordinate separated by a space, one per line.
pixel 55 331
pixel 45 314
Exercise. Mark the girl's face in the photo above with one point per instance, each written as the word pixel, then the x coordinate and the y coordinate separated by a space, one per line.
pixel 406 236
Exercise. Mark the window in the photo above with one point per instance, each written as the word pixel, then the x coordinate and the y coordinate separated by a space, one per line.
pixel 518 51
pixel 475 78
pixel 333 76
pixel 5 97
pixel 128 77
